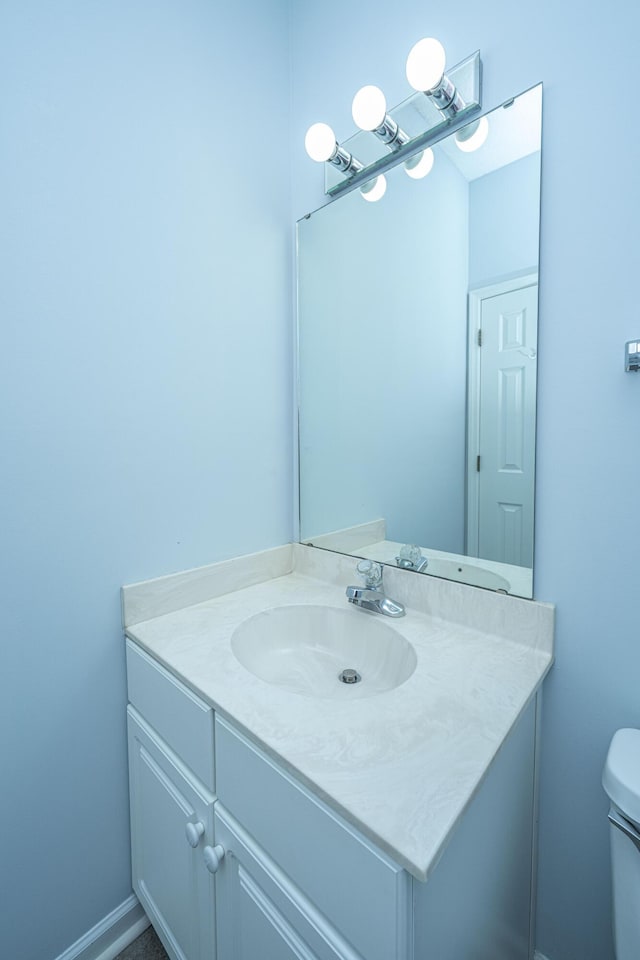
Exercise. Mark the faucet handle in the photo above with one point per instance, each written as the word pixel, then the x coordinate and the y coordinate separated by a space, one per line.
pixel 371 573
pixel 410 558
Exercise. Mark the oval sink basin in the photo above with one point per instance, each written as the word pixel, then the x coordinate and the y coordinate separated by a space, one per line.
pixel 305 649
pixel 467 573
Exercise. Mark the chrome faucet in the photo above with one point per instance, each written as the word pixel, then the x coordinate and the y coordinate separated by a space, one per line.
pixel 411 558
pixel 371 597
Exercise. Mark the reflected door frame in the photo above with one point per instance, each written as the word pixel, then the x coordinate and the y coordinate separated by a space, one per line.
pixel 475 300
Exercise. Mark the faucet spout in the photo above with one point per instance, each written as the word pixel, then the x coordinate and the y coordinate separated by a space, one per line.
pixel 374 601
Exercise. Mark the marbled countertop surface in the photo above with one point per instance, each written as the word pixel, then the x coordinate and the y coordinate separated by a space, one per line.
pixel 401 766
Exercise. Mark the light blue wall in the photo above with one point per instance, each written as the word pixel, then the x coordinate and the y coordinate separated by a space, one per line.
pixel 504 222
pixel 588 551
pixel 146 378
pixel 382 385
pixel 145 386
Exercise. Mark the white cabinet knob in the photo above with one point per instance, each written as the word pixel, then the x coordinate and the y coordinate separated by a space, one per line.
pixel 213 857
pixel 193 832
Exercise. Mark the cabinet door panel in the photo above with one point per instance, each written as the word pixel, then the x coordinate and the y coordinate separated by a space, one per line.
pixel 262 930
pixel 366 894
pixel 477 902
pixel 261 914
pixel 180 718
pixel 169 875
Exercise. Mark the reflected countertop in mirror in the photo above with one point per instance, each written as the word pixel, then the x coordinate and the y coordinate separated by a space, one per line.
pixel 417 361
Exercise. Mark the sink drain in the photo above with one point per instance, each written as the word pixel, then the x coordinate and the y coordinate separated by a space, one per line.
pixel 350 676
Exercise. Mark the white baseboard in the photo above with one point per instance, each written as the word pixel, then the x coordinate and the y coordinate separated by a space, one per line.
pixel 111 935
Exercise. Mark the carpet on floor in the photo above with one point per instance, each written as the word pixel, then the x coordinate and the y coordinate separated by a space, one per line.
pixel 146 947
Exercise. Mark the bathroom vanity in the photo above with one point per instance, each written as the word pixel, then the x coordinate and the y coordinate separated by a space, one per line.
pixel 277 812
pixel 355 822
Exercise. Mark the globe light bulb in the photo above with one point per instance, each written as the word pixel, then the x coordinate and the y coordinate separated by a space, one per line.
pixel 374 189
pixel 320 142
pixel 425 64
pixel 369 108
pixel 472 136
pixel 420 165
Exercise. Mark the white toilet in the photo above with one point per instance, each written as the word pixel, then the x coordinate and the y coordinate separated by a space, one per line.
pixel 621 780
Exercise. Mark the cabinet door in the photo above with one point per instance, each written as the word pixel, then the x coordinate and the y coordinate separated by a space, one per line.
pixel 261 914
pixel 169 874
pixel 477 903
pixel 365 895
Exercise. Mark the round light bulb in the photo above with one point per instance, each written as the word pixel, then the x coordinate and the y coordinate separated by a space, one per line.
pixel 472 136
pixel 374 189
pixel 369 108
pixel 419 166
pixel 425 64
pixel 320 142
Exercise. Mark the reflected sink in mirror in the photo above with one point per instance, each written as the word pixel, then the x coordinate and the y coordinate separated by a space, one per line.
pixel 476 573
pixel 467 573
pixel 305 648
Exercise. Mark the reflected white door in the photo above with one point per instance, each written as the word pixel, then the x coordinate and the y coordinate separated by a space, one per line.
pixel 502 425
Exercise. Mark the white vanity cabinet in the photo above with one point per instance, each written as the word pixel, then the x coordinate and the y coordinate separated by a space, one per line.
pixel 237 860
pixel 284 864
pixel 171 807
pixel 343 895
pixel 260 913
pixel 169 874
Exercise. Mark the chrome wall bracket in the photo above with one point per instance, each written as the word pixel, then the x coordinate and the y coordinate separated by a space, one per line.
pixel 419 119
pixel 632 356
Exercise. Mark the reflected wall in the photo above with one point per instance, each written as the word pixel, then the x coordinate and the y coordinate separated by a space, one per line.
pixel 383 293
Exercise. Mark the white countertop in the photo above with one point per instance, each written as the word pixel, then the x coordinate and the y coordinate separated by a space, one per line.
pixel 401 766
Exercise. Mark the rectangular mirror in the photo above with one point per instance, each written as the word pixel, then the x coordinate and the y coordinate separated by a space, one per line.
pixel 417 346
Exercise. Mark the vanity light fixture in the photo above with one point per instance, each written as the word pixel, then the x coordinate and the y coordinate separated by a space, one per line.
pixel 472 136
pixel 425 73
pixel 419 165
pixel 369 112
pixel 374 189
pixel 321 145
pixel 406 133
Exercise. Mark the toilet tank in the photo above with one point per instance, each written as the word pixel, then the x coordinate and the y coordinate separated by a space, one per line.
pixel 621 776
pixel 621 781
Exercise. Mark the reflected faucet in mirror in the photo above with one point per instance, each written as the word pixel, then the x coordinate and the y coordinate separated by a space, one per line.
pixel 410 558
